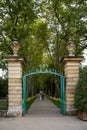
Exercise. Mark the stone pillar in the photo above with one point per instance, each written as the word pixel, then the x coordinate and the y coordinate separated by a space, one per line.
pixel 14 85
pixel 71 71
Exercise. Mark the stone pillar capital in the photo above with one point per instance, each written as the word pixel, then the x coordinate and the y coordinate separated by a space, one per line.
pixel 13 58
pixel 71 58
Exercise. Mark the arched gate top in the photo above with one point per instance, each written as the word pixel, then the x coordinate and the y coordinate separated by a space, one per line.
pixel 43 69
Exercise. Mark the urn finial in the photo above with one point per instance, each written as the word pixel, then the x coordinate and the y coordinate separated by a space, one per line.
pixel 15 47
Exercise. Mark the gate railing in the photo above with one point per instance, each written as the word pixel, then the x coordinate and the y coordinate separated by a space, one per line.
pixel 43 69
pixel 3 103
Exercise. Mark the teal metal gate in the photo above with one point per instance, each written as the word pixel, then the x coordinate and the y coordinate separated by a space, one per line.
pixel 44 70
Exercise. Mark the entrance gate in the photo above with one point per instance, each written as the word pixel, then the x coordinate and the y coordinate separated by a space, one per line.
pixel 43 69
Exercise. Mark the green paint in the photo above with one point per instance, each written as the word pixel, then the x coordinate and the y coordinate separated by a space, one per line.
pixel 43 69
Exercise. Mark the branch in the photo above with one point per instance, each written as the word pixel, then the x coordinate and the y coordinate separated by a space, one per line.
pixel 50 53
pixel 83 47
pixel 9 48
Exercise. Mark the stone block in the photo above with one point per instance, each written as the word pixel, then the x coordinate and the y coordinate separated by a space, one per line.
pixel 71 75
pixel 70 106
pixel 15 102
pixel 14 111
pixel 70 91
pixel 13 88
pixel 15 92
pixel 14 85
pixel 15 80
pixel 17 99
pixel 14 68
pixel 69 102
pixel 14 76
pixel 70 79
pixel 69 68
pixel 70 95
pixel 72 63
pixel 14 95
pixel 71 112
pixel 71 83
pixel 68 99
pixel 72 87
pixel 72 72
pixel 14 64
pixel 15 72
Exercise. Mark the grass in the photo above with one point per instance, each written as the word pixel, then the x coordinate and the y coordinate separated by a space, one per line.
pixel 56 101
pixel 30 100
pixel 3 103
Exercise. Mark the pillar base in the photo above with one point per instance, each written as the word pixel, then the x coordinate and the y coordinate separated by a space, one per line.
pixel 72 112
pixel 15 111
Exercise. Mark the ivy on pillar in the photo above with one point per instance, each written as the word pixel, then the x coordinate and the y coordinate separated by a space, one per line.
pixel 14 81
pixel 71 72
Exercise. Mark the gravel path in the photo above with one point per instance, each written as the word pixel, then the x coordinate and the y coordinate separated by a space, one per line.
pixel 43 115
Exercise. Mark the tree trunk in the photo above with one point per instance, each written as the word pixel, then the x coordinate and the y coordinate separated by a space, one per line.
pixel 57 89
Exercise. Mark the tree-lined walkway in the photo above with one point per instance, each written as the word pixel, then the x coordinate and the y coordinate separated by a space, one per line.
pixel 43 108
pixel 43 115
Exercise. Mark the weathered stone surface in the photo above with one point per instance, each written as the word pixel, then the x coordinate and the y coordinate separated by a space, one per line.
pixel 14 63
pixel 15 100
pixel 70 79
pixel 70 91
pixel 15 80
pixel 14 111
pixel 14 95
pixel 14 68
pixel 15 87
pixel 70 95
pixel 71 72
pixel 16 73
pixel 72 83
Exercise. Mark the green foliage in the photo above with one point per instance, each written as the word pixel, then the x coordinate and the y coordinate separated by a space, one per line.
pixel 42 28
pixel 15 15
pixel 15 20
pixel 81 91
pixel 56 101
pixel 3 87
pixel 30 101
pixel 46 84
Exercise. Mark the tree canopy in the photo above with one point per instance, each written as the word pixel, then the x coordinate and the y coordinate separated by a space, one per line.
pixel 43 29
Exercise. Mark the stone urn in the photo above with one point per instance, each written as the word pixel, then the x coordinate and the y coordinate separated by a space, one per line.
pixel 15 47
pixel 70 47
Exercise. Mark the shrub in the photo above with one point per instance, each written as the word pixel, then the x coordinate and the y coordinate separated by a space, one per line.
pixel 30 101
pixel 81 91
pixel 56 101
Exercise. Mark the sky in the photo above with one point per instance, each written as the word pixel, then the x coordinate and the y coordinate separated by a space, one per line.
pixel 84 62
